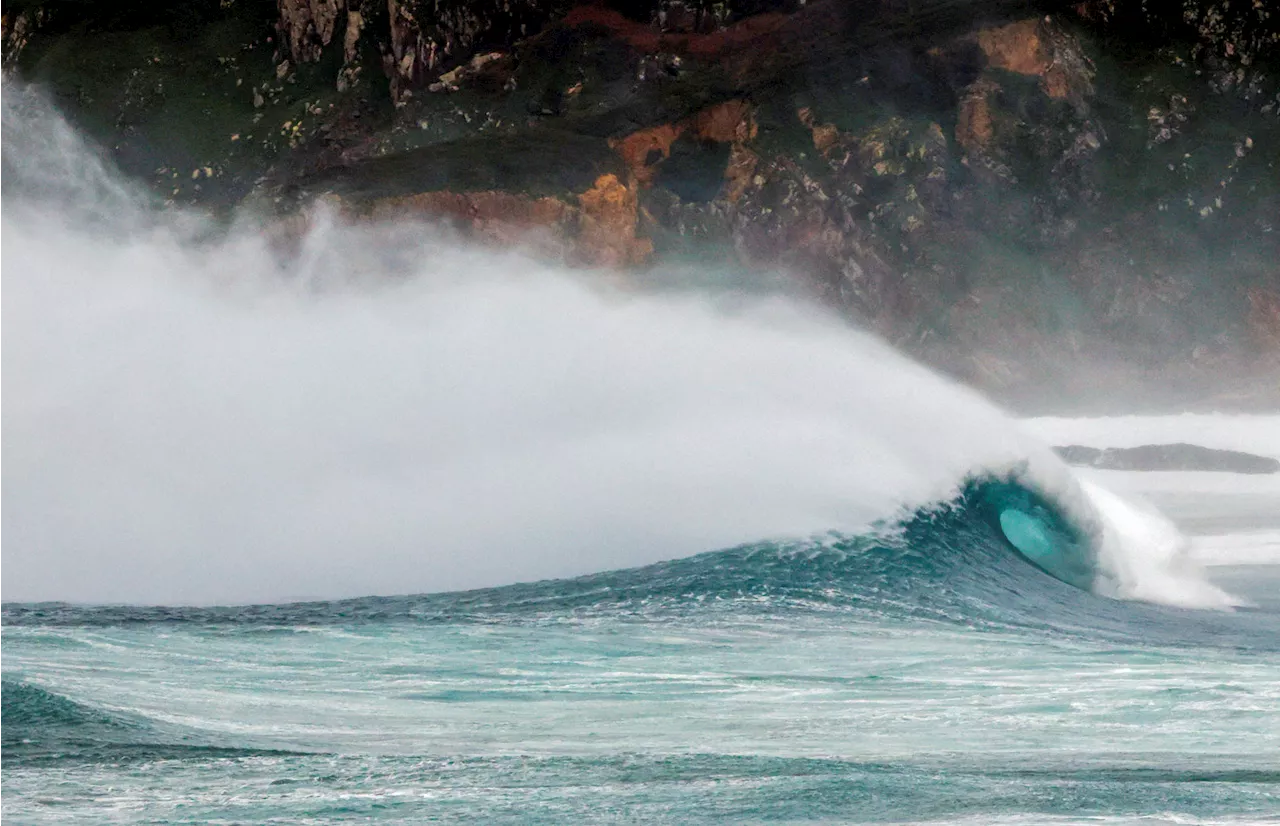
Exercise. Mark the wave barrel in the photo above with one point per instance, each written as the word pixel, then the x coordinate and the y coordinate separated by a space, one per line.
pixel 1042 535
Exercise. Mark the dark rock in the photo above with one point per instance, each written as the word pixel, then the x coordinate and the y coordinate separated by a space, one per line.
pixel 1167 457
pixel 1051 200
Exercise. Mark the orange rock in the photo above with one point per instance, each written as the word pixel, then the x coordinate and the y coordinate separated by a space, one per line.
pixel 731 122
pixel 728 122
pixel 498 217
pixel 636 148
pixel 825 135
pixel 1016 47
pixel 607 226
pixel 973 121
pixel 1040 48
pixel 600 231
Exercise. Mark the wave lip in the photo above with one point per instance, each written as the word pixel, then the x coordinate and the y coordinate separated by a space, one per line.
pixel 1091 537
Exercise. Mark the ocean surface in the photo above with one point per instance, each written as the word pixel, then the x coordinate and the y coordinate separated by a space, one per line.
pixel 923 674
pixel 644 555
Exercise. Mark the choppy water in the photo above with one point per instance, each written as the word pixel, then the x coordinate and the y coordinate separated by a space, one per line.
pixel 917 613
pixel 930 675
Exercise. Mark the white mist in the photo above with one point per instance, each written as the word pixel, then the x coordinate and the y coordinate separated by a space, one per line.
pixel 193 421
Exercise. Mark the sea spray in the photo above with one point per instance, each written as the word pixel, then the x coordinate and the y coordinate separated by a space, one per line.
pixel 191 418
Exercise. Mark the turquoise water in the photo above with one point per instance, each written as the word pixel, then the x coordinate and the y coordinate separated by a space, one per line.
pixel 928 673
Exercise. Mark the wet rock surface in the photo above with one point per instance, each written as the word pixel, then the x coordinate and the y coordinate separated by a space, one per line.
pixel 1052 201
pixel 1179 456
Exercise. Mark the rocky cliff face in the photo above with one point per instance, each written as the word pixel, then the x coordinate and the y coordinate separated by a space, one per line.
pixel 1020 193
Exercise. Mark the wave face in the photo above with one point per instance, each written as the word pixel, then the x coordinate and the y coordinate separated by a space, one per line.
pixel 951 562
pixel 924 671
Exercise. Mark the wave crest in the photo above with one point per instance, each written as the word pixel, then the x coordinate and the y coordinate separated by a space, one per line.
pixel 193 419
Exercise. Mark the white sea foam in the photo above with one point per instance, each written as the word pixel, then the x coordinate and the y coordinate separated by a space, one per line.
pixel 190 419
pixel 1230 518
pixel 1142 555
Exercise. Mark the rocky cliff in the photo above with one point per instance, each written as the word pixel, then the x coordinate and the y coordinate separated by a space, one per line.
pixel 1028 195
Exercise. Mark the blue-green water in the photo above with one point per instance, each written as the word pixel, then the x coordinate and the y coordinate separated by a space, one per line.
pixel 929 673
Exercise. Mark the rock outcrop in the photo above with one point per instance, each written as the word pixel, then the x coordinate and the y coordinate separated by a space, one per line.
pixel 1019 193
pixel 1168 457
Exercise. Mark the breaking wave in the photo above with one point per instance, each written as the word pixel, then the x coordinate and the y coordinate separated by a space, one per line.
pixel 194 417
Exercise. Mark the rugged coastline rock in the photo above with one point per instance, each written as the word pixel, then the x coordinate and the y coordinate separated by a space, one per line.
pixel 1020 193
pixel 1179 456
